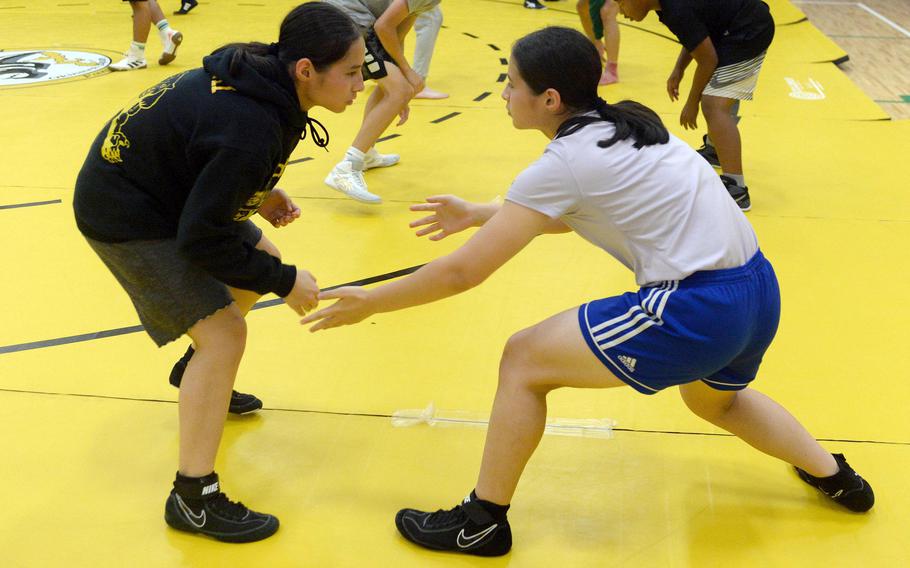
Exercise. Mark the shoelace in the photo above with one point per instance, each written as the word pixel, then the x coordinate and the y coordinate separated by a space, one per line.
pixel 227 508
pixel 318 138
pixel 442 518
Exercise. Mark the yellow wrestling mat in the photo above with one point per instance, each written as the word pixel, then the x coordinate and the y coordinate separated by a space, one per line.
pixel 89 421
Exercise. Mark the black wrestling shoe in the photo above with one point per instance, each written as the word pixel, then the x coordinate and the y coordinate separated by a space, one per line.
pixel 468 528
pixel 708 152
pixel 241 403
pixel 186 6
pixel 739 193
pixel 845 487
pixel 197 505
pixel 534 5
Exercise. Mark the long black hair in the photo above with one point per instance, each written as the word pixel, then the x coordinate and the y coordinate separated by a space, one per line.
pixel 565 60
pixel 317 31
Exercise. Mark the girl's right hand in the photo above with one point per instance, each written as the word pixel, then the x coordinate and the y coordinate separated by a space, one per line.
pixel 673 84
pixel 304 295
pixel 451 215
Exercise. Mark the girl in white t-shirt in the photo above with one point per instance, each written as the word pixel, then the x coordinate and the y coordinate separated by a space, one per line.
pixel 705 314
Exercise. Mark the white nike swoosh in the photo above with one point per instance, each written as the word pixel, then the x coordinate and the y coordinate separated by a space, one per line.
pixel 464 541
pixel 197 521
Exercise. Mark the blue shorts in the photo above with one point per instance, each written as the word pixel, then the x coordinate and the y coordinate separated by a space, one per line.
pixel 714 326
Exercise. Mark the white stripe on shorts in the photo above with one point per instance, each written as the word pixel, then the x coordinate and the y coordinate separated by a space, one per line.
pixel 735 81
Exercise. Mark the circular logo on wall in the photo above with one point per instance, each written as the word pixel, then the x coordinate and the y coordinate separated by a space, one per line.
pixel 28 67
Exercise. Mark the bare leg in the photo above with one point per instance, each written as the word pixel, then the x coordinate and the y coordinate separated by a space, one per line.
pixel 155 11
pixel 246 299
pixel 547 356
pixel 723 132
pixel 142 20
pixel 382 108
pixel 611 30
pixel 206 388
pixel 761 423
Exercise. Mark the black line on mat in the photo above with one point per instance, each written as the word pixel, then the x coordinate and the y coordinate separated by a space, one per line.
pixel 136 328
pixel 470 35
pixel 482 96
pixel 503 60
pixel 297 161
pixel 389 137
pixel 32 204
pixel 446 117
pixel 502 77
pixel 493 47
pixel 375 415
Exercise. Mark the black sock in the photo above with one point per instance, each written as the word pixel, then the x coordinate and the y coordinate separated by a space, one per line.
pixel 197 488
pixel 498 512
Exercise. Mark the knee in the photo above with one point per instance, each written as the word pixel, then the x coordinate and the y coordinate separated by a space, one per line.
pixel 708 408
pixel 266 245
pixel 517 368
pixel 224 330
pixel 713 108
pixel 400 92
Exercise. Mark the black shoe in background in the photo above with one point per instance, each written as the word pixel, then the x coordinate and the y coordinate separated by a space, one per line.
pixel 197 505
pixel 739 193
pixel 708 152
pixel 241 403
pixel 468 528
pixel 185 7
pixel 845 487
pixel 534 5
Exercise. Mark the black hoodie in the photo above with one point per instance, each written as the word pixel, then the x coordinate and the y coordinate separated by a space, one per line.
pixel 189 160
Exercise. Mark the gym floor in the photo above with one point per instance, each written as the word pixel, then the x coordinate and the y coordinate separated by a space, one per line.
pixel 89 423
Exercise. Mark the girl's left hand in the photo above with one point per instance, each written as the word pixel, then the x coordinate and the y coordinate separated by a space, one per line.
pixel 689 116
pixel 353 306
pixel 278 208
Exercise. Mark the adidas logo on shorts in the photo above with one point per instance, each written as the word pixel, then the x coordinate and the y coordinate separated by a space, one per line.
pixel 628 362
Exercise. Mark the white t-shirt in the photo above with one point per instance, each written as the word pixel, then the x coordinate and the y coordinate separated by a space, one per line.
pixel 662 210
pixel 366 12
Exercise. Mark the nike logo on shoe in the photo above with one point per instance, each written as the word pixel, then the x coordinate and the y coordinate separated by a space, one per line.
pixel 197 521
pixel 464 541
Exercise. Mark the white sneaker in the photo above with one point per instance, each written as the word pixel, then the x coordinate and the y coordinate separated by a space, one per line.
pixel 129 63
pixel 169 52
pixel 350 182
pixel 376 160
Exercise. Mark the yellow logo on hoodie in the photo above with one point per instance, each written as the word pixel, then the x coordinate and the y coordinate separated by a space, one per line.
pixel 116 139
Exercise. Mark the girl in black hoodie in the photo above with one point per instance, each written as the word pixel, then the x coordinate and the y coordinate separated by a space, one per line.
pixel 164 198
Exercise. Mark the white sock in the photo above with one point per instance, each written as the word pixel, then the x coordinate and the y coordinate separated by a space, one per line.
pixel 137 50
pixel 163 29
pixel 356 157
pixel 738 178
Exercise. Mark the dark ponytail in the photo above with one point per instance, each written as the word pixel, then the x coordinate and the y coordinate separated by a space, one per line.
pixel 565 60
pixel 317 31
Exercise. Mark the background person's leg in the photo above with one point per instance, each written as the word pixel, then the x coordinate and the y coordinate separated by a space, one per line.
pixel 723 132
pixel 426 28
pixel 611 36
pixel 135 57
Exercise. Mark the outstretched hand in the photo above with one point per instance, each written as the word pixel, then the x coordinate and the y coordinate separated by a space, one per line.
pixel 450 215
pixel 278 209
pixel 353 306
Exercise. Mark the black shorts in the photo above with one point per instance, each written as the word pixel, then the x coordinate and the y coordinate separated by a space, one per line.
pixel 376 57
pixel 170 293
